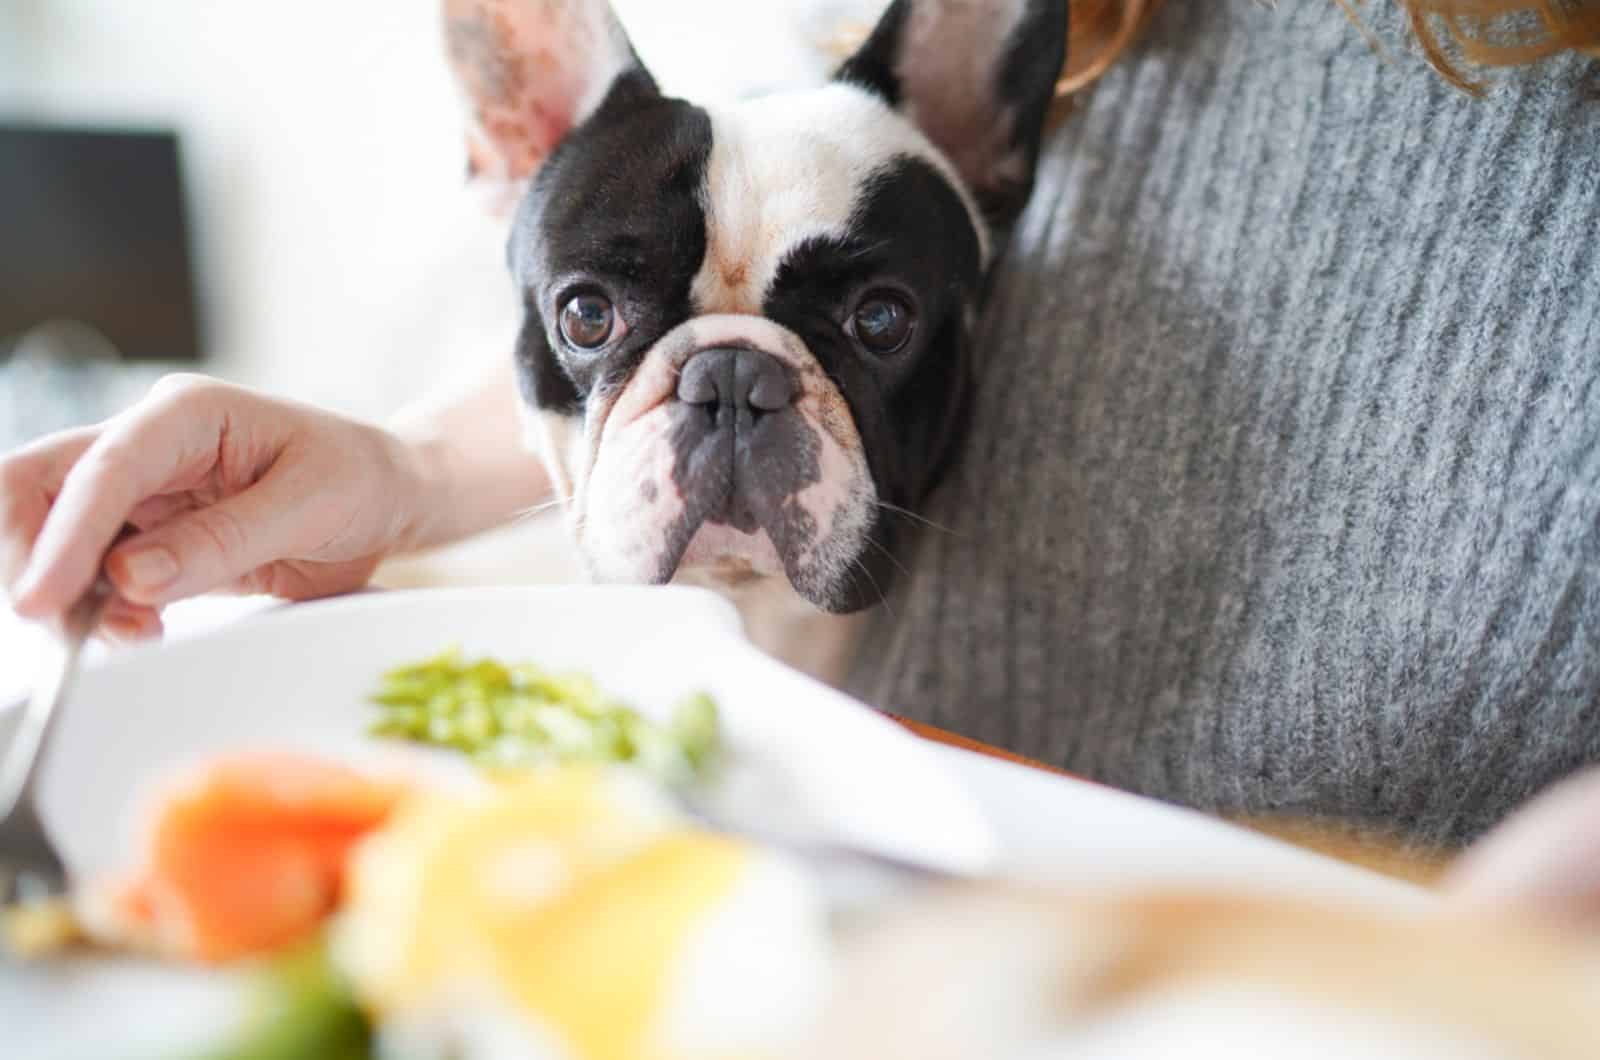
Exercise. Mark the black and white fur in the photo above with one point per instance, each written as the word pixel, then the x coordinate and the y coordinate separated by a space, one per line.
pixel 752 230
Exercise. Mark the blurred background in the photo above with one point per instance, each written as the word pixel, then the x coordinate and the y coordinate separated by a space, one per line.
pixel 273 193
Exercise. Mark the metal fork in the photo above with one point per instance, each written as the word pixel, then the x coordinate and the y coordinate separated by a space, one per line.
pixel 31 870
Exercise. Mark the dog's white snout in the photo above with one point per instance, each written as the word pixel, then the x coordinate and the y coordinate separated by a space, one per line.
pixel 740 331
pixel 729 450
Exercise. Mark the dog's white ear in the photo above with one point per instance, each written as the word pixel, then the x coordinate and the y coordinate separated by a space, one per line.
pixel 1543 861
pixel 977 77
pixel 532 71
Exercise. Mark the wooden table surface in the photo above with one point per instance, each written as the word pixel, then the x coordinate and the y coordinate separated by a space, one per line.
pixel 950 739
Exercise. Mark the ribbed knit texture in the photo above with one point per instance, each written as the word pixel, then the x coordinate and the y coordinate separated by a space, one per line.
pixel 1284 489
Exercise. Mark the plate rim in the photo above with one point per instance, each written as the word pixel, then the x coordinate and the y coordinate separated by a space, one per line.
pixel 977 849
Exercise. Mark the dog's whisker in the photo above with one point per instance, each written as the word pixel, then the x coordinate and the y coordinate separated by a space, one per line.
pixel 890 556
pixel 537 509
pixel 866 250
pixel 906 512
pixel 883 598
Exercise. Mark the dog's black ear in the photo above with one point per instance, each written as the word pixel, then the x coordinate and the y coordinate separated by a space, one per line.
pixel 531 72
pixel 977 77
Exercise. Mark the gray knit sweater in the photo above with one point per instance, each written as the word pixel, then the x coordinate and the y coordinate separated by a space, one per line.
pixel 1284 489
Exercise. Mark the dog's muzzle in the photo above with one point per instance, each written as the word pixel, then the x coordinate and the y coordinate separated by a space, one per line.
pixel 730 450
pixel 739 441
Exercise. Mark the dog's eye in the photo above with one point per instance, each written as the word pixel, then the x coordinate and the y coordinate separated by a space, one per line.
pixel 883 322
pixel 587 321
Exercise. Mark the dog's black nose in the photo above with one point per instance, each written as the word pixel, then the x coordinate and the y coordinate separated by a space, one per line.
pixel 745 382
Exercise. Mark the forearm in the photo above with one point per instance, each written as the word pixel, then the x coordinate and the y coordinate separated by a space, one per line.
pixel 467 461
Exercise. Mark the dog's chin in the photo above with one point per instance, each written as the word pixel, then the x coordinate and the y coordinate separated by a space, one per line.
pixel 721 557
pixel 728 555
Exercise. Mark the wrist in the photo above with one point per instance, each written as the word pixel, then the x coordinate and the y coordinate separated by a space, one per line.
pixel 464 463
pixel 425 475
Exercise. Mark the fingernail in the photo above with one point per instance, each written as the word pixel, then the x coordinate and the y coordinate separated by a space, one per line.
pixel 151 568
pixel 114 631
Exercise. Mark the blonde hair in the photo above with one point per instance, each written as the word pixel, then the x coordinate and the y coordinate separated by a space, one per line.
pixel 1454 35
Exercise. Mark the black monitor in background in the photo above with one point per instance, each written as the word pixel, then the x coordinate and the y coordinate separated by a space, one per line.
pixel 93 227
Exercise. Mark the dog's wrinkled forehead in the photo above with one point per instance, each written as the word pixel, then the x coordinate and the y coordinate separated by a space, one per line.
pixel 710 202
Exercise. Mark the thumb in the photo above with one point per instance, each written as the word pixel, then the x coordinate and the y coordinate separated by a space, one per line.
pixel 1544 860
pixel 212 547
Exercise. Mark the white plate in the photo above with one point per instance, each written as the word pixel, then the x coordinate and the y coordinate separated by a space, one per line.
pixel 299 677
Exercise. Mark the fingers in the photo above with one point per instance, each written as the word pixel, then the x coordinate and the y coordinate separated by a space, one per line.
pixel 29 480
pixel 213 547
pixel 1544 860
pixel 200 469
pixel 124 622
pixel 171 435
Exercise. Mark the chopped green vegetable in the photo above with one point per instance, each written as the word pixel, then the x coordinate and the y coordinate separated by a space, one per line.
pixel 301 1008
pixel 694 724
pixel 521 715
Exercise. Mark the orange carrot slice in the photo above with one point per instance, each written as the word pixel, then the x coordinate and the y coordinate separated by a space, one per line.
pixel 248 855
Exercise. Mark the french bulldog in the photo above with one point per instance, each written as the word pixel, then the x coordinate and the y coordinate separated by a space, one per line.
pixel 747 326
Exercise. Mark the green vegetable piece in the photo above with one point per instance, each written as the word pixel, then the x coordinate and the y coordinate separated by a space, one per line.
pixel 301 1008
pixel 524 716
pixel 697 729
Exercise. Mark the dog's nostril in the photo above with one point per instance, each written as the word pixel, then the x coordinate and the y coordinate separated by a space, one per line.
pixel 764 383
pixel 695 385
pixel 746 380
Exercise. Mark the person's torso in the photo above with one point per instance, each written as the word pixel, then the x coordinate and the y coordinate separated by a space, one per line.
pixel 1283 492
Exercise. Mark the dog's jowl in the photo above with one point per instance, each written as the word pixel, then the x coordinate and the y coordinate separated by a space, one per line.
pixel 746 345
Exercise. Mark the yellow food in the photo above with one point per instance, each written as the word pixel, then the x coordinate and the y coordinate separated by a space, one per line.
pixel 36 929
pixel 565 911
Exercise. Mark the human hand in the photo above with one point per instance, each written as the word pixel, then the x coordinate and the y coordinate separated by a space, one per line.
pixel 227 488
pixel 1544 860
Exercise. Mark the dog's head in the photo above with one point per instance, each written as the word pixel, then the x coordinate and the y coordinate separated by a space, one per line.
pixel 747 327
